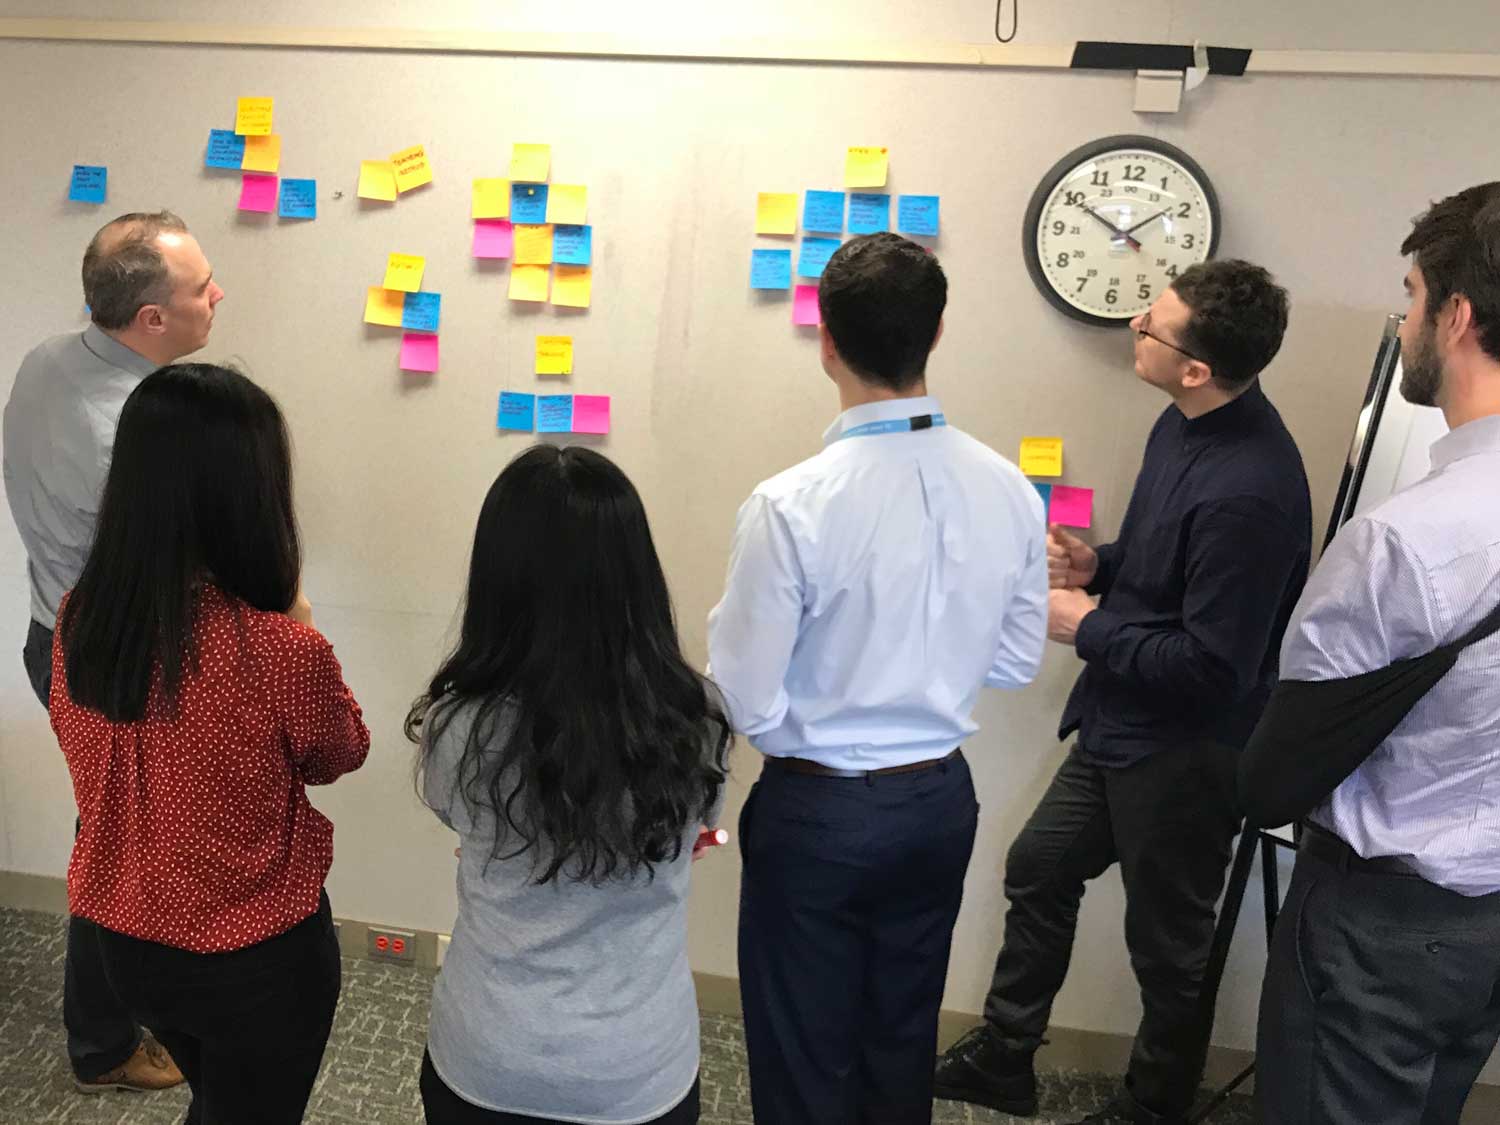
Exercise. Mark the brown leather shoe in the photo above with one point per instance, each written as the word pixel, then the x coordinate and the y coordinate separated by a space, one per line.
pixel 150 1068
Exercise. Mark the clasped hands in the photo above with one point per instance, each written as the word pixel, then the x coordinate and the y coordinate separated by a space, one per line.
pixel 1071 565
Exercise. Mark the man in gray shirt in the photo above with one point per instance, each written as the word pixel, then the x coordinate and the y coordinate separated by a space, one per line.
pixel 151 295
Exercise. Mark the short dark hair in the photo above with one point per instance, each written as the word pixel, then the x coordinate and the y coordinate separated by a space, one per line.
pixel 1457 247
pixel 1239 316
pixel 882 299
pixel 123 270
pixel 199 489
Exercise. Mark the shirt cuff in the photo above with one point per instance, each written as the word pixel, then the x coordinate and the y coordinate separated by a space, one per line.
pixel 1095 632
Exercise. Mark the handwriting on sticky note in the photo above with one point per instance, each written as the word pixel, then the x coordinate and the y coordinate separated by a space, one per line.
pixel 491 199
pixel 262 153
pixel 591 414
pixel 805 306
pixel 573 286
pixel 917 214
pixel 528 203
pixel 377 180
pixel 814 255
pixel 823 210
pixel 533 244
pixel 528 283
pixel 412 168
pixel 517 411
pixel 554 414
pixel 770 269
pixel 493 238
pixel 869 212
pixel 1042 456
pixel 89 183
pixel 299 199
pixel 252 116
pixel 1071 507
pixel 404 272
pixel 776 212
pixel 866 166
pixel 567 203
pixel 573 245
pixel 554 355
pixel 420 311
pixel 419 352
pixel 257 192
pixel 530 162
pixel 226 149
pixel 384 306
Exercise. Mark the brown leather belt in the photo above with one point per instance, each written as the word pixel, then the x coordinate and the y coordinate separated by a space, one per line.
pixel 817 769
pixel 1323 844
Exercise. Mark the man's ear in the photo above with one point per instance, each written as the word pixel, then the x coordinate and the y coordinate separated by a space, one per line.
pixel 150 319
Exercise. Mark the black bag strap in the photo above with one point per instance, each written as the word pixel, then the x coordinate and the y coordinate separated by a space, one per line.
pixel 1487 626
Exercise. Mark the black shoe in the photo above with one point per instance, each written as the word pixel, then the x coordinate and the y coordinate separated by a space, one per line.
pixel 981 1070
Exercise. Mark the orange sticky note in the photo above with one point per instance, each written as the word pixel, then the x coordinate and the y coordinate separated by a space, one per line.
pixel 528 283
pixel 776 212
pixel 867 166
pixel 262 153
pixel 568 203
pixel 377 180
pixel 1041 456
pixel 252 116
pixel 384 306
pixel 412 169
pixel 404 272
pixel 533 245
pixel 573 286
pixel 491 199
pixel 530 163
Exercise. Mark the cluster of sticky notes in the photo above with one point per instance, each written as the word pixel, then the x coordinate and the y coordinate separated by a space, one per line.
pixel 554 414
pixel 1064 504
pixel 541 227
pixel 400 302
pixel 89 183
pixel 394 176
pixel 251 149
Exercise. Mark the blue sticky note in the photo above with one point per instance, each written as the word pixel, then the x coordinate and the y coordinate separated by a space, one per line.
pixel 869 211
pixel 517 411
pixel 814 256
pixel 226 149
pixel 770 269
pixel 917 214
pixel 572 245
pixel 1045 491
pixel 419 311
pixel 528 203
pixel 299 199
pixel 554 414
pixel 823 210
pixel 89 184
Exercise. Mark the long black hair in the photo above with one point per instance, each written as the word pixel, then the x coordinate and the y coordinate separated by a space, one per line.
pixel 613 745
pixel 199 489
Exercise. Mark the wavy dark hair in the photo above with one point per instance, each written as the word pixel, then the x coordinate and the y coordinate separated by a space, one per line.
pixel 199 488
pixel 613 745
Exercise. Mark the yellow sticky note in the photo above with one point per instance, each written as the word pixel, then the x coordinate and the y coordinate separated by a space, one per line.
pixel 866 166
pixel 1041 456
pixel 384 306
pixel 528 283
pixel 533 246
pixel 412 169
pixel 377 179
pixel 554 355
pixel 573 286
pixel 776 212
pixel 491 199
pixel 404 272
pixel 252 117
pixel 568 203
pixel 262 153
pixel 530 163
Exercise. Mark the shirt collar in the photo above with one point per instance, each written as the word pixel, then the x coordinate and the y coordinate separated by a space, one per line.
pixel 114 353
pixel 1231 416
pixel 1479 436
pixel 886 410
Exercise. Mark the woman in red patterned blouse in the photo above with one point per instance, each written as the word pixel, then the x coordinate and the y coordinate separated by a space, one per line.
pixel 194 701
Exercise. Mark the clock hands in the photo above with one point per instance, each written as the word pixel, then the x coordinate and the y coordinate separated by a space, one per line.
pixel 1116 234
pixel 1145 222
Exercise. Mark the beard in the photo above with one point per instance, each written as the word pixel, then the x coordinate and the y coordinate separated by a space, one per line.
pixel 1422 370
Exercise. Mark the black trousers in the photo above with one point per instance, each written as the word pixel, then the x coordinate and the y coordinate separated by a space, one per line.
pixel 1381 1000
pixel 1169 821
pixel 101 1034
pixel 441 1106
pixel 848 898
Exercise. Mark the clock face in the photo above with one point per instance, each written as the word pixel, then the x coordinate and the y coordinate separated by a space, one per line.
pixel 1112 224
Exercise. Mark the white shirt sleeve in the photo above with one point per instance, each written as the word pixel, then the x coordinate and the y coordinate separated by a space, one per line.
pixel 1023 633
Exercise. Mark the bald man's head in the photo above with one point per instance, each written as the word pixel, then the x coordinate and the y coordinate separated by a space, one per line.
pixel 124 268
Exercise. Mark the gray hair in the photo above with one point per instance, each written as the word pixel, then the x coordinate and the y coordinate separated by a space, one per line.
pixel 123 270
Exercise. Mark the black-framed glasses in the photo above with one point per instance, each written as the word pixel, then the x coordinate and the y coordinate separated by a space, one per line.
pixel 1146 334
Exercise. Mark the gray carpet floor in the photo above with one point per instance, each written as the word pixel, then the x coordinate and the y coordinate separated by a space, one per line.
pixel 370 1070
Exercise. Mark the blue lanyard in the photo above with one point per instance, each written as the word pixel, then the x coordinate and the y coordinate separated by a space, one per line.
pixel 895 426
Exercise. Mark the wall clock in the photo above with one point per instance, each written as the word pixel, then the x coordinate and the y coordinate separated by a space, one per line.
pixel 1112 223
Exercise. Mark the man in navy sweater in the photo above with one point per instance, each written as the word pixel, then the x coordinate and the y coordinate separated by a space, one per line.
pixel 1180 656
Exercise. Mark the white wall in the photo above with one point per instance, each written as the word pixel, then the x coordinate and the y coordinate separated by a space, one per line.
pixel 713 389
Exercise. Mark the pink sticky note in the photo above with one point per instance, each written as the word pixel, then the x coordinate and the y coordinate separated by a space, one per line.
pixel 257 192
pixel 805 305
pixel 493 238
pixel 591 414
pixel 1071 507
pixel 419 351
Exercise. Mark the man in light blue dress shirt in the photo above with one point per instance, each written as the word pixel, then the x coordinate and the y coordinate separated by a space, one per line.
pixel 151 297
pixel 873 590
pixel 1382 996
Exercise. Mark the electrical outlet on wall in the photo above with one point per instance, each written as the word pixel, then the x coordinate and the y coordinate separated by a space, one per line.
pixel 387 944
